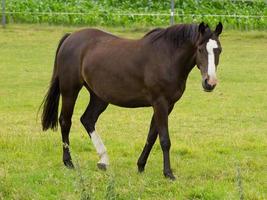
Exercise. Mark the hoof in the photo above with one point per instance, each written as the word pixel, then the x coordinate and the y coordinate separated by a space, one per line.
pixel 170 176
pixel 102 166
pixel 68 164
pixel 141 169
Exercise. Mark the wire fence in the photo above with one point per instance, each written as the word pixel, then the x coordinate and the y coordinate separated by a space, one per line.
pixel 231 21
pixel 100 17
pixel 139 14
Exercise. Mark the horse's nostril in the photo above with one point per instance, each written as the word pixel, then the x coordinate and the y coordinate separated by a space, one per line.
pixel 206 81
pixel 207 87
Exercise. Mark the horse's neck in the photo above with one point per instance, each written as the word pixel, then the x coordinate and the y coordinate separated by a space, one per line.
pixel 185 60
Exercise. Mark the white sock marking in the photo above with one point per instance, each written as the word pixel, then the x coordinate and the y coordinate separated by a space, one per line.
pixel 100 148
pixel 212 44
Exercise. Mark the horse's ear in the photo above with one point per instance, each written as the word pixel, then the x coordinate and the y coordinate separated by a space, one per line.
pixel 218 29
pixel 201 28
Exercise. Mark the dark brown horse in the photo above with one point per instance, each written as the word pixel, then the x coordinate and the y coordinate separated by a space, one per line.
pixel 151 71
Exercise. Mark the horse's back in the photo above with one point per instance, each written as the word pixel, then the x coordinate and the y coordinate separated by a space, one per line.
pixel 81 40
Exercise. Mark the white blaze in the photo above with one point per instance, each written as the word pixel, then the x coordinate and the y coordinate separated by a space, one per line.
pixel 212 44
pixel 100 148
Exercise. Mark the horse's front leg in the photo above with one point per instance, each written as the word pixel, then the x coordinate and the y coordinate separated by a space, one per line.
pixel 161 107
pixel 151 138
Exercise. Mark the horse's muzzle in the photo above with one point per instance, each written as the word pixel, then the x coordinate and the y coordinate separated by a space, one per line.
pixel 208 85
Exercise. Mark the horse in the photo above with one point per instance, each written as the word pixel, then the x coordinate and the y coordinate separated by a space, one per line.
pixel 148 72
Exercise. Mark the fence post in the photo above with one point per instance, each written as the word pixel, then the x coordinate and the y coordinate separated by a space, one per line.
pixel 3 13
pixel 172 12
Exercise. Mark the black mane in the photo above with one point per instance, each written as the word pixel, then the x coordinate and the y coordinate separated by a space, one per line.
pixel 177 34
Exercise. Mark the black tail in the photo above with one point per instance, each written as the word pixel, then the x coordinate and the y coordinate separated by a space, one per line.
pixel 51 100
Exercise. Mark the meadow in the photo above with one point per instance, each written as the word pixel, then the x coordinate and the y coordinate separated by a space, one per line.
pixel 219 139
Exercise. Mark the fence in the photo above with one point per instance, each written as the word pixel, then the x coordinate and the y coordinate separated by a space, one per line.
pixel 242 22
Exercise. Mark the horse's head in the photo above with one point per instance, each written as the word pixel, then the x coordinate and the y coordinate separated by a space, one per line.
pixel 208 53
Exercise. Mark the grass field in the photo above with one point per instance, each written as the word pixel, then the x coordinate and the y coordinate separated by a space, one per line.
pixel 219 139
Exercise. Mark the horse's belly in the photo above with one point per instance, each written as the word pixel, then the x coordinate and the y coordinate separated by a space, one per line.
pixel 131 104
pixel 122 98
pixel 124 93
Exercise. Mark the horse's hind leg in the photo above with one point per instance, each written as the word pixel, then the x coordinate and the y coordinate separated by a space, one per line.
pixel 68 102
pixel 89 119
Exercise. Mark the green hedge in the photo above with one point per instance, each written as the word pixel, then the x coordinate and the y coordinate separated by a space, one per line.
pixel 104 12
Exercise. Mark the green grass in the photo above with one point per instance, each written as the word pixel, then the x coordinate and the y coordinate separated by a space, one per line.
pixel 219 139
